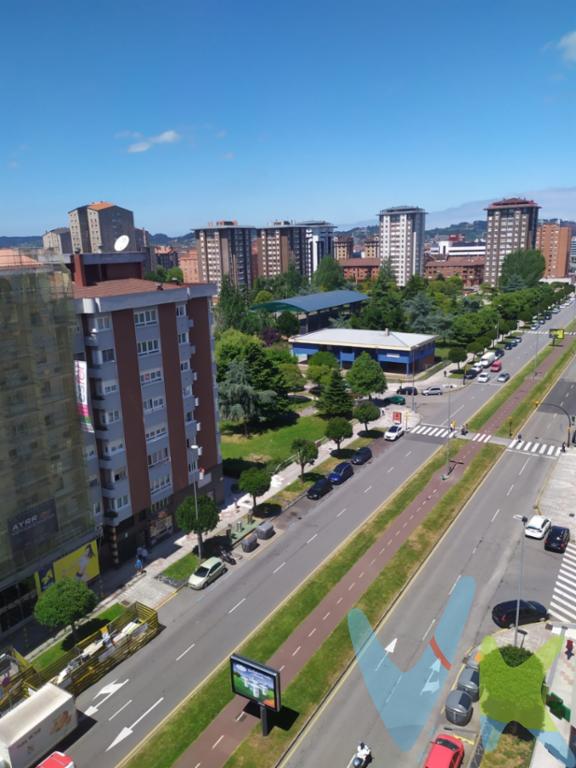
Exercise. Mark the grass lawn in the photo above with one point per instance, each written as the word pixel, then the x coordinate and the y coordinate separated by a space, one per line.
pixel 511 752
pixel 182 568
pixel 272 444
pixel 90 626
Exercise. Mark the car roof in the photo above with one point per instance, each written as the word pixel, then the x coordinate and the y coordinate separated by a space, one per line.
pixel 439 755
pixel 557 529
pixel 537 520
pixel 210 562
pixel 364 449
pixel 341 466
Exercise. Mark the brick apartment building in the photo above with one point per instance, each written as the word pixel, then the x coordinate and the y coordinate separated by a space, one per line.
pixel 554 241
pixel 469 268
pixel 511 226
pixel 360 270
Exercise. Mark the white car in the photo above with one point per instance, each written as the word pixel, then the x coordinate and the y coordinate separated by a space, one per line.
pixel 394 432
pixel 483 377
pixel 537 527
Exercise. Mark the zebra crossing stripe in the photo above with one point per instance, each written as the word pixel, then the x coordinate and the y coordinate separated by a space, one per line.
pixel 563 602
pixel 571 548
pixel 566 583
pixel 570 558
pixel 535 448
pixel 443 433
pixel 487 438
pixel 570 568
pixel 434 431
pixel 559 589
pixel 477 436
pixel 558 452
pixel 427 430
pixel 542 449
pixel 527 446
pixel 550 450
pixel 519 445
pixel 561 613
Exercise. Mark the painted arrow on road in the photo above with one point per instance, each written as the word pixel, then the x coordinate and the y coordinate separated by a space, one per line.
pixel 433 681
pixel 107 691
pixel 388 649
pixel 125 732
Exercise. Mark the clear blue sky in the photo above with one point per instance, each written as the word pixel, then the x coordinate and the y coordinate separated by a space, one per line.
pixel 263 110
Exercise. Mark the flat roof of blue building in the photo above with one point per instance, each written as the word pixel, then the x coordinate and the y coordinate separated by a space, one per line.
pixel 349 337
pixel 313 302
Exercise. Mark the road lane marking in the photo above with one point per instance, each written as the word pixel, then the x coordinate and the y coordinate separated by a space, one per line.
pixel 453 585
pixel 550 450
pixel 185 652
pixel 341 512
pixel 408 454
pixel 237 605
pixel 217 742
pixel 282 667
pixel 297 650
pixel 535 448
pixel 311 538
pixel 524 465
pixel 372 561
pixel 339 600
pixel 367 489
pixel 390 470
pixel 312 632
pixel 527 446
pixel 326 616
pixel 120 710
pixel 279 567
pixel 197 765
pixel 382 550
pixel 541 451
pixel 495 515
pixel 352 586
pixel 429 628
pixel 361 575
pixel 510 490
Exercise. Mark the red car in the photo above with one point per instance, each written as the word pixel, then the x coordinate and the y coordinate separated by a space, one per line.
pixel 446 752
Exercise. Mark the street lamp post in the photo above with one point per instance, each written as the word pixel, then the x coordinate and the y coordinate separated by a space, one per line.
pixel 523 519
pixel 449 433
pixel 194 448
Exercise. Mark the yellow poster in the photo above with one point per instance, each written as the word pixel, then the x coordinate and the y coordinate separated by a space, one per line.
pixel 80 564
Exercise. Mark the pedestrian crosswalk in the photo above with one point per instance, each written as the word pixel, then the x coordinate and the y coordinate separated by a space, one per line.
pixel 563 602
pixel 535 448
pixel 430 430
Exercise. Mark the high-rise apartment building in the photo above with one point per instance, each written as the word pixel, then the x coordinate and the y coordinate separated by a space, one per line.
pixel 225 249
pixel 45 512
pixel 402 241
pixel 280 245
pixel 371 249
pixel 95 228
pixel 511 226
pixel 57 241
pixel 343 246
pixel 553 241
pixel 188 263
pixel 319 243
pixel 572 265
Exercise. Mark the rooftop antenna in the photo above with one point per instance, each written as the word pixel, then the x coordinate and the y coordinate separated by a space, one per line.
pixel 121 243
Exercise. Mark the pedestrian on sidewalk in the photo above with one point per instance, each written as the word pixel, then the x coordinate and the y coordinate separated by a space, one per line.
pixel 569 649
pixel 139 565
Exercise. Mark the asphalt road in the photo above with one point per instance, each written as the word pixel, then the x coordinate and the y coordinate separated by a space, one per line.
pixel 201 629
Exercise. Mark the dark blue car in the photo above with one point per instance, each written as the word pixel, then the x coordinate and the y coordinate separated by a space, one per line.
pixel 340 473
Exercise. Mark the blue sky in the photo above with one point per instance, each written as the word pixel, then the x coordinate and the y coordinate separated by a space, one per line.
pixel 187 112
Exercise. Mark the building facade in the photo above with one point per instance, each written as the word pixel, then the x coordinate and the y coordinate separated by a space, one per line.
pixel 188 263
pixel 225 250
pixel 511 226
pixel 319 243
pixel 279 246
pixel 95 228
pixel 58 241
pixel 402 241
pixel 554 241
pixel 343 246
pixel 469 268
pixel 371 249
pixel 572 267
pixel 360 270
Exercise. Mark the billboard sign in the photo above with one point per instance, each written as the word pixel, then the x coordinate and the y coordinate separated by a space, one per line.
pixel 81 564
pixel 396 417
pixel 81 379
pixel 30 530
pixel 256 682
pixel 556 333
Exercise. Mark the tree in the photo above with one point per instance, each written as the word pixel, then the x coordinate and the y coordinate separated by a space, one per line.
pixel 256 482
pixel 366 376
pixel 232 306
pixel 174 275
pixel 292 377
pixel 329 275
pixel 335 400
pixel 366 412
pixel 338 429
pixel 306 452
pixel 200 516
pixel 418 311
pixel 323 358
pixel 263 296
pixel 457 355
pixel 64 603
pixel 288 324
pixel 239 400
pixel 522 269
pixel 320 367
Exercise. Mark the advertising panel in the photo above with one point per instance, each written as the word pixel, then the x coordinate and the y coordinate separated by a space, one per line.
pixel 397 417
pixel 80 564
pixel 81 379
pixel 30 529
pixel 556 333
pixel 255 682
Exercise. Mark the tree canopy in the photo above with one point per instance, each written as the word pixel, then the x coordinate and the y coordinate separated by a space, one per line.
pixel 521 269
pixel 338 429
pixel 255 481
pixel 305 452
pixel 335 400
pixel 65 603
pixel 366 376
pixel 329 276
pixel 366 412
pixel 200 521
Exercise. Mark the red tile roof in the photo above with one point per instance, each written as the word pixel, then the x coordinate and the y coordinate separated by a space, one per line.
pixel 120 287
pixel 100 206
pixel 11 257
pixel 347 263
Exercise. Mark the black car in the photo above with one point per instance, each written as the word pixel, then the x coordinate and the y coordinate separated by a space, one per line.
pixel 471 374
pixel 361 456
pixel 499 353
pixel 341 473
pixel 407 391
pixel 509 345
pixel 504 614
pixel 557 539
pixel 320 488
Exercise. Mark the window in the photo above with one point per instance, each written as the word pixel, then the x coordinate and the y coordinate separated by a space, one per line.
pixel 117 503
pixel 109 417
pixel 110 448
pixel 105 387
pixel 148 347
pixel 103 323
pixel 108 356
pixel 180 310
pixel 89 452
pixel 149 377
pixel 158 457
pixel 153 404
pixel 187 390
pixel 189 417
pixel 160 482
pixel 182 338
pixel 184 365
pixel 146 317
pixel 154 433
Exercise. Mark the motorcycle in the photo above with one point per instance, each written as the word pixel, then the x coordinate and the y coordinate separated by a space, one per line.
pixel 363 757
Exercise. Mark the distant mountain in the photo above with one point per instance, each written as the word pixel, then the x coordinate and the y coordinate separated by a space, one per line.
pixel 25 241
pixel 182 240
pixel 471 230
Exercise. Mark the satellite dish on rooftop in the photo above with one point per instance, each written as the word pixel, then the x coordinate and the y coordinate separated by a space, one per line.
pixel 121 243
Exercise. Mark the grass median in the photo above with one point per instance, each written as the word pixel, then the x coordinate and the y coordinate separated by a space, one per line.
pixel 325 667
pixel 187 722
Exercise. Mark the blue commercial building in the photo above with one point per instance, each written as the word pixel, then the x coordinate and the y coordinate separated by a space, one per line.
pixel 314 310
pixel 403 353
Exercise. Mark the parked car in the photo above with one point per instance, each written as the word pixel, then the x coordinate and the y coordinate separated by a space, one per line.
pixel 471 373
pixel 432 391
pixel 534 327
pixel 469 681
pixel 446 751
pixel 394 400
pixel 206 573
pixel 499 353
pixel 504 614
pixel 340 473
pixel 361 456
pixel 509 345
pixel 503 377
pixel 478 367
pixel 458 708
pixel 557 539
pixel 496 366
pixel 483 378
pixel 320 488
pixel 407 390
pixel 537 527
pixel 394 432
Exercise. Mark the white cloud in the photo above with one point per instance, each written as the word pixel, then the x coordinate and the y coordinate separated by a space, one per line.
pixel 567 45
pixel 229 156
pixel 221 134
pixel 166 137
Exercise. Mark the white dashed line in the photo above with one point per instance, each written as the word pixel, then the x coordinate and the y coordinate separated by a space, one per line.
pixel 185 652
pixel 237 605
pixel 367 489
pixel 351 586
pixel 510 490
pixel 312 632
pixel 297 650
pixel 408 454
pixel 495 515
pixel 429 628
pixel 279 567
pixel 453 585
pixel 311 538
pixel 524 466
pixel 341 512
pixel 326 616
pixel 217 742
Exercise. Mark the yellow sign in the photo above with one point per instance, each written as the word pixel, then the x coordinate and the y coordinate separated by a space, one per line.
pixel 557 333
pixel 80 564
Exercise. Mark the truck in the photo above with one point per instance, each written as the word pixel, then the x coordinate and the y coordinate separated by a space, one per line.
pixel 57 760
pixel 487 359
pixel 35 726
